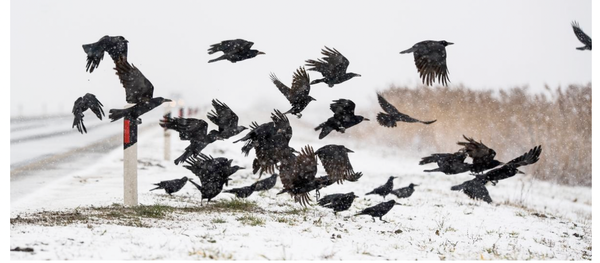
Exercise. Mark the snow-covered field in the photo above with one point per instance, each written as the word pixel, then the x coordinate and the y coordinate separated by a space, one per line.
pixel 78 217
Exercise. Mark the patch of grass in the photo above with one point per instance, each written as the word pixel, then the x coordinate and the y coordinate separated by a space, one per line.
pixel 251 220
pixel 219 221
pixel 296 211
pixel 152 211
pixel 236 204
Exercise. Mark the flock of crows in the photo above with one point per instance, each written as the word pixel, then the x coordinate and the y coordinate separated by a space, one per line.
pixel 297 170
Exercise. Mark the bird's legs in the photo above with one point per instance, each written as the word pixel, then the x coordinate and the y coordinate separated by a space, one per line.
pixel 374 219
pixel 381 220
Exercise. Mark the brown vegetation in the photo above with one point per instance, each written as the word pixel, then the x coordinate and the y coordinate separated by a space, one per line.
pixel 511 122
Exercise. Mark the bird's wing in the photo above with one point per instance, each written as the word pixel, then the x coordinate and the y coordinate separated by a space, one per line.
pixel 337 62
pixel 300 84
pixel 328 199
pixel 342 107
pixel 282 87
pixel 93 104
pixel 476 150
pixel 530 157
pixel 583 37
pixel 386 106
pixel 95 53
pixel 117 47
pixel 336 162
pixel 224 117
pixel 431 63
pixel 78 108
pixel 306 164
pixel 137 87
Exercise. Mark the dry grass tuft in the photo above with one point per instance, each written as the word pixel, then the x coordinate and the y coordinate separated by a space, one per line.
pixel 511 122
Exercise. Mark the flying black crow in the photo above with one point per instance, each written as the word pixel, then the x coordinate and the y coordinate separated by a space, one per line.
pixel 384 189
pixel 430 59
pixel 343 118
pixel 298 94
pixel 483 157
pixel 137 87
pixel 212 172
pixel 336 162
pixel 241 192
pixel 333 67
pixel 392 114
pixel 338 202
pixel 88 101
pixel 448 163
pixel 226 119
pixel 137 110
pixel 300 191
pixel 585 39
pixel 266 184
pixel 171 186
pixel 404 192
pixel 234 50
pixel 190 129
pixel 476 189
pixel 298 171
pixel 378 210
pixel 115 46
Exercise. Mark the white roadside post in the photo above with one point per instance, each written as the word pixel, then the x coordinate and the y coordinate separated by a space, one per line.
pixel 130 185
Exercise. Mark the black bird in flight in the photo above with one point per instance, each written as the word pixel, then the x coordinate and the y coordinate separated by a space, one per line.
pixel 338 202
pixel 171 186
pixel 212 172
pixel 226 119
pixel 448 163
pixel 88 101
pixel 336 162
pixel 404 192
pixel 298 95
pixel 392 115
pixel 333 67
pixel 483 157
pixel 378 210
pixel 234 50
pixel 193 130
pixel 343 118
pixel 302 190
pixel 584 38
pixel 241 192
pixel 430 59
pixel 137 110
pixel 297 173
pixel 476 189
pixel 115 46
pixel 384 189
pixel 266 184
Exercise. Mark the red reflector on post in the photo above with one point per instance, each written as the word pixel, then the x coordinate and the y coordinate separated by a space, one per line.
pixel 126 137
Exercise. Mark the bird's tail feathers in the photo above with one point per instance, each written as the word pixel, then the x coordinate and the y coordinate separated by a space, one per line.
pixel 407 51
pixel 183 157
pixel 428 122
pixel 433 170
pixel 325 130
pixel 116 114
pixel 386 120
pixel 317 81
pixel 156 188
pixel 457 187
pixel 216 59
pixel 580 48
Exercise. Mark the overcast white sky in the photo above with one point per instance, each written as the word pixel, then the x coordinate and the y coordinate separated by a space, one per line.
pixel 498 44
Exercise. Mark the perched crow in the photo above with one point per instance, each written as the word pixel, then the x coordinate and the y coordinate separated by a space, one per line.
pixel 343 118
pixel 298 94
pixel 378 210
pixel 384 189
pixel 430 59
pixel 392 114
pixel 241 192
pixel 190 129
pixel 448 163
pixel 88 101
pixel 171 186
pixel 234 50
pixel 269 141
pixel 483 157
pixel 265 184
pixel 476 189
pixel 226 119
pixel 336 162
pixel 585 39
pixel 297 173
pixel 212 172
pixel 115 46
pixel 404 192
pixel 338 202
pixel 137 87
pixel 137 110
pixel 333 67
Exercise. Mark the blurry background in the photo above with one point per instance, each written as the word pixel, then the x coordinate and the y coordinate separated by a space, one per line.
pixel 516 78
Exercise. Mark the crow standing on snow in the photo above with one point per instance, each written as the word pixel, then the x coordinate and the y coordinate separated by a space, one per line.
pixel 483 157
pixel 333 67
pixel 585 39
pixel 476 189
pixel 404 192
pixel 266 184
pixel 115 46
pixel 392 114
pixel 88 101
pixel 343 118
pixel 448 163
pixel 171 186
pixel 213 173
pixel 378 210
pixel 234 50
pixel 241 192
pixel 190 129
pixel 338 202
pixel 226 119
pixel 336 162
pixel 384 189
pixel 430 59
pixel 298 94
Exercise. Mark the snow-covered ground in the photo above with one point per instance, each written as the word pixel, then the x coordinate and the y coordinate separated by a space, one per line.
pixel 529 219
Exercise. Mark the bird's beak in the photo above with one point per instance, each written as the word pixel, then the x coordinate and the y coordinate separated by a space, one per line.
pixel 520 172
pixel 450 43
pixel 261 53
pixel 397 204
pixel 365 119
pixel 168 100
pixel 313 99
pixel 358 75
pixel 242 167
